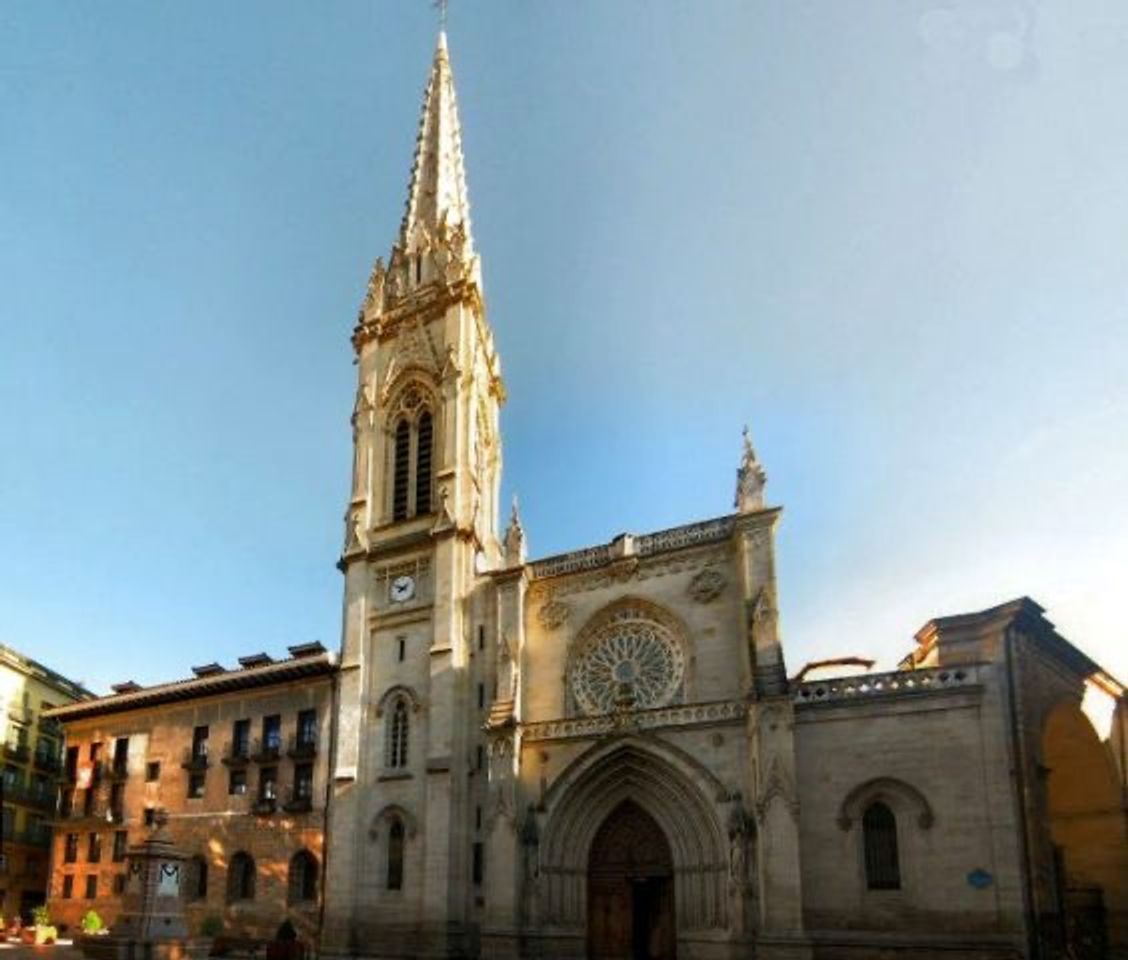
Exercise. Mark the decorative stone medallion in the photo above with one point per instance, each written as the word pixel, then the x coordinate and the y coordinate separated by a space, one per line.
pixel 707 585
pixel 630 657
pixel 553 614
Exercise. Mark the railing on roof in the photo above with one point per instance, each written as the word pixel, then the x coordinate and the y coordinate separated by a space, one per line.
pixel 895 684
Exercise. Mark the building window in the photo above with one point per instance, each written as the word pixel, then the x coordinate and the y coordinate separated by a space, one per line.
pixel 303 781
pixel 402 643
pixel 478 818
pixel 481 695
pixel 91 886
pixel 302 880
pixel 94 848
pixel 879 833
pixel 196 783
pixel 121 840
pixel 424 437
pixel 268 783
pixel 152 771
pixel 66 802
pixel 401 470
pixel 119 884
pixel 480 757
pixel 307 729
pixel 70 849
pixel 200 743
pixel 197 885
pixel 68 887
pixel 71 768
pixel 150 816
pixel 478 864
pixel 241 739
pixel 241 878
pixel 481 637
pixel 117 802
pixel 397 735
pixel 395 855
pixel 272 735
pixel 237 783
pixel 121 756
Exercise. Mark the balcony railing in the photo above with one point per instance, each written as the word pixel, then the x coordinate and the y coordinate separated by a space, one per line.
pixel 48 761
pixel 14 750
pixel 267 750
pixel 237 753
pixel 196 757
pixel 119 769
pixel 303 745
pixel 298 803
pixel 263 806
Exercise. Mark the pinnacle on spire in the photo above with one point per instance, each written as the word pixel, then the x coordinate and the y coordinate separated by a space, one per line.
pixel 437 200
pixel 514 543
pixel 750 479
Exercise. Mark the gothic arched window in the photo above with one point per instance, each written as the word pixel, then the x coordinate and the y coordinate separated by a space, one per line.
pixel 302 879
pixel 396 756
pixel 423 464
pixel 241 878
pixel 395 855
pixel 879 838
pixel 401 470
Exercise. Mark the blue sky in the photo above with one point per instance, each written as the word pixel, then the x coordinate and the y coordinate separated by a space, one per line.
pixel 887 235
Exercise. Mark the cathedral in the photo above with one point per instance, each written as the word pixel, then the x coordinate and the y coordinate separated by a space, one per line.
pixel 603 754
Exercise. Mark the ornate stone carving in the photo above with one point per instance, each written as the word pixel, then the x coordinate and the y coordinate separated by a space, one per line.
pixel 553 614
pixel 630 656
pixel 777 785
pixel 707 585
pixel 514 539
pixel 750 480
pixel 578 728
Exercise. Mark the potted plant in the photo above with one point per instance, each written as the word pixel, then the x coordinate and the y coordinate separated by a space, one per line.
pixel 92 924
pixel 42 932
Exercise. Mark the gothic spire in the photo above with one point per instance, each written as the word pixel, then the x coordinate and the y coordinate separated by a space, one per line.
pixel 750 479
pixel 437 200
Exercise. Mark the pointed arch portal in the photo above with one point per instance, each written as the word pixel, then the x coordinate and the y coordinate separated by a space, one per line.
pixel 630 888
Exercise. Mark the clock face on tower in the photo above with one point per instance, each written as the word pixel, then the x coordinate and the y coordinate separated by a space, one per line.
pixel 402 589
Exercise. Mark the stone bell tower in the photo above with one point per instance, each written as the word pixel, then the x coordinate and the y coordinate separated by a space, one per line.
pixel 421 528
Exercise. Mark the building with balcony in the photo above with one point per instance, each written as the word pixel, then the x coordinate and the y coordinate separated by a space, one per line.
pixel 32 763
pixel 235 759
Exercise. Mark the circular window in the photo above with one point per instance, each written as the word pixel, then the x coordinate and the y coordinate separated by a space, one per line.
pixel 629 658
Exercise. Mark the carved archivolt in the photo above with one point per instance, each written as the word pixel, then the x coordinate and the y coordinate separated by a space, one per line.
pixel 395 693
pixel 673 790
pixel 901 796
pixel 388 813
pixel 632 654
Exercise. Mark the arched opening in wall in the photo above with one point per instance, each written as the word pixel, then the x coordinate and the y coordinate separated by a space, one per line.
pixel 241 878
pixel 197 879
pixel 1087 830
pixel 401 469
pixel 630 888
pixel 394 875
pixel 302 878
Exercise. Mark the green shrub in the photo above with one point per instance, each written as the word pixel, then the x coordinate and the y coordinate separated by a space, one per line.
pixel 91 922
pixel 41 916
pixel 212 926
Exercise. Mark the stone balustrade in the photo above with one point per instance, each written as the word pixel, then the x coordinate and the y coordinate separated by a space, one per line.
pixel 897 683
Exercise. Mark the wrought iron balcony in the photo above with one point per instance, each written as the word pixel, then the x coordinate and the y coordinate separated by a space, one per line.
pixel 14 750
pixel 264 806
pixel 48 761
pixel 298 803
pixel 196 757
pixel 303 745
pixel 267 750
pixel 119 769
pixel 237 753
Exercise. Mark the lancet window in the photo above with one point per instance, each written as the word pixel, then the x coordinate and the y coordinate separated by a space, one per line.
pixel 413 441
pixel 398 729
pixel 879 836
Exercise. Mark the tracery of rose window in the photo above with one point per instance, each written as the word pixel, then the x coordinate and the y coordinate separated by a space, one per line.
pixel 630 659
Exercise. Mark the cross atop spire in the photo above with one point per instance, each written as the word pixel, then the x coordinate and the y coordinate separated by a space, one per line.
pixel 437 200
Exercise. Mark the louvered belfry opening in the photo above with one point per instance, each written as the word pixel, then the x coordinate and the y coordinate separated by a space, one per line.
pixel 400 471
pixel 423 466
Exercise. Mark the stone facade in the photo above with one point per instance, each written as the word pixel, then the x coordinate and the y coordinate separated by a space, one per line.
pixel 601 754
pixel 237 761
pixel 32 763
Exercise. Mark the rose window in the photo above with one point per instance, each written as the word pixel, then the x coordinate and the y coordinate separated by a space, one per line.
pixel 631 660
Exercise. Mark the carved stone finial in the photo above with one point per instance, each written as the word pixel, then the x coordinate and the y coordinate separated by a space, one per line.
pixel 750 480
pixel 514 538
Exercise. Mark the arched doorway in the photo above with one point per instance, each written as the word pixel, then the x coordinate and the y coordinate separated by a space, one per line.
pixel 630 889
